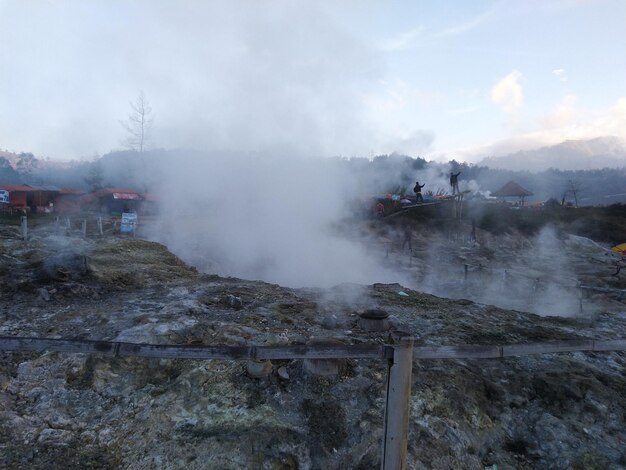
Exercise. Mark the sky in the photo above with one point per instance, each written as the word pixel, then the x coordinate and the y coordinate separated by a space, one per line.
pixel 441 80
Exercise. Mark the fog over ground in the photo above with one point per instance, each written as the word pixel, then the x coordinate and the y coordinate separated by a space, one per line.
pixel 287 219
pixel 260 93
pixel 273 218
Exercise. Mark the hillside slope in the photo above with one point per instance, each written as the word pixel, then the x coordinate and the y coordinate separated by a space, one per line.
pixel 88 411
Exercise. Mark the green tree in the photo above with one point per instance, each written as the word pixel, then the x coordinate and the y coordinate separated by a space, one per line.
pixel 95 176
pixel 26 164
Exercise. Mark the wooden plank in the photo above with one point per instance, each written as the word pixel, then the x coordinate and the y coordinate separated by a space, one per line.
pixel 398 405
pixel 186 352
pixel 463 351
pixel 610 345
pixel 59 345
pixel 547 347
pixel 355 351
pixel 195 352
pixel 24 227
pixel 406 209
pixel 604 289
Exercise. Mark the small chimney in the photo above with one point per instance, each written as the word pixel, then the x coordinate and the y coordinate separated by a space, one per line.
pixel 374 319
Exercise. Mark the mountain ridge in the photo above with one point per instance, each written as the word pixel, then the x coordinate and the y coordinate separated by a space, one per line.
pixel 589 154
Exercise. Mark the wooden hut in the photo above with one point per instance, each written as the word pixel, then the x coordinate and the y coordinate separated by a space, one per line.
pixel 68 201
pixel 17 195
pixel 512 189
pixel 112 200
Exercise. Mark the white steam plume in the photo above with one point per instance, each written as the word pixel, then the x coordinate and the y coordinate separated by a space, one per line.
pixel 269 218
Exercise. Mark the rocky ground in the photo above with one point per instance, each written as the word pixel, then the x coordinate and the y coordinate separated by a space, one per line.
pixel 560 411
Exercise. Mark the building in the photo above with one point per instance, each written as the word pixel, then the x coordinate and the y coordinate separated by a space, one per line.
pixel 112 201
pixel 67 201
pixel 30 198
pixel 512 189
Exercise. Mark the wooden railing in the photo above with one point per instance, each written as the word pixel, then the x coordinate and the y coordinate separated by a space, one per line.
pixel 399 353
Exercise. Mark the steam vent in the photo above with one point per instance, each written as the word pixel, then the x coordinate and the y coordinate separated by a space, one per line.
pixel 374 319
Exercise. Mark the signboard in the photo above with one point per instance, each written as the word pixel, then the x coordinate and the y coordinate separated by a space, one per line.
pixel 129 222
pixel 4 196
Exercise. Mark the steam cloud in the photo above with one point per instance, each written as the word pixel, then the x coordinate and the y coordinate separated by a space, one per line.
pixel 272 218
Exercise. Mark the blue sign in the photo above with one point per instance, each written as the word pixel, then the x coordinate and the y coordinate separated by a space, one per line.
pixel 129 222
pixel 4 196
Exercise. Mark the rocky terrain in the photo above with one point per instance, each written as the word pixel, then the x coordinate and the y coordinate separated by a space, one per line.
pixel 556 411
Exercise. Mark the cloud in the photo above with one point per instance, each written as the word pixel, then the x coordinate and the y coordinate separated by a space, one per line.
pixel 563 115
pixel 507 93
pixel 560 73
pixel 398 115
pixel 565 122
pixel 238 75
pixel 416 142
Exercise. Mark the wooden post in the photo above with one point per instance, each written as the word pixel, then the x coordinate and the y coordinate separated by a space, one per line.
pixel 465 268
pixel 580 300
pixel 100 226
pixel 24 228
pixel 398 403
pixel 84 227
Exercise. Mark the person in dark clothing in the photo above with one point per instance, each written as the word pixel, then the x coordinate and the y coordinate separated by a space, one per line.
pixel 454 182
pixel 418 191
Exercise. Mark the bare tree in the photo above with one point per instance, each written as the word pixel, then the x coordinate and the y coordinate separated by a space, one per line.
pixel 138 124
pixel 573 188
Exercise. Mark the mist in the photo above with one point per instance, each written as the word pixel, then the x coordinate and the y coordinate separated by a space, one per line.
pixel 274 218
pixel 275 77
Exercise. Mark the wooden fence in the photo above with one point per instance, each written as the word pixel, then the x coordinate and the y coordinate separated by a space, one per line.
pixel 354 351
pixel 399 353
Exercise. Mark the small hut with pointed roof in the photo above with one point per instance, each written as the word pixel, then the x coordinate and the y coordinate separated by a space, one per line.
pixel 512 189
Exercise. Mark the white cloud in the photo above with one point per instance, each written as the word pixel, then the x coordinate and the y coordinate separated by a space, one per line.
pixel 565 122
pixel 563 115
pixel 560 73
pixel 507 93
pixel 398 114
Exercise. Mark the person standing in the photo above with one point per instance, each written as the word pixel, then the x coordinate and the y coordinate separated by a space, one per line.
pixel 417 189
pixel 454 182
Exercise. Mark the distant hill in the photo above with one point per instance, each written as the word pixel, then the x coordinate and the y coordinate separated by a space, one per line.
pixel 601 152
